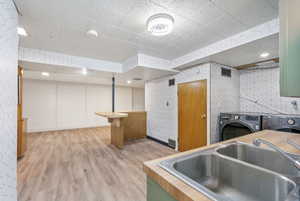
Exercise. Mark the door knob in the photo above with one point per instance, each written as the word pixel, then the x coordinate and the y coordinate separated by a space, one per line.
pixel 203 116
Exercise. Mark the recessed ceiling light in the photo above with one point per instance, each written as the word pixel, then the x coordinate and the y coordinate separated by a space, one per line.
pixel 92 32
pixel 84 71
pixel 22 31
pixel 160 24
pixel 128 81
pixel 46 74
pixel 264 54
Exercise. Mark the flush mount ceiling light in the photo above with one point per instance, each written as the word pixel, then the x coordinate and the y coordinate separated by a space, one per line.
pixel 264 54
pixel 46 74
pixel 160 24
pixel 128 81
pixel 92 33
pixel 22 31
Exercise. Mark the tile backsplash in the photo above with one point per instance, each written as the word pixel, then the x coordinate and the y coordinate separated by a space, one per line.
pixel 259 92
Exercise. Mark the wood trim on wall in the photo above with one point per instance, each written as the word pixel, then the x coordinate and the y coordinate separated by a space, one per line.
pixel 251 65
pixel 21 122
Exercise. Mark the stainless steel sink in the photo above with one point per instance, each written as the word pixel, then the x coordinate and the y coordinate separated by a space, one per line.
pixel 219 174
pixel 265 158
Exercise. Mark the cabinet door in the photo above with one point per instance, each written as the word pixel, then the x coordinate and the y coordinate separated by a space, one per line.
pixel 156 193
pixel 289 48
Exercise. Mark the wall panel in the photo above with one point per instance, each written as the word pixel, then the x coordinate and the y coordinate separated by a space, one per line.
pixel 51 105
pixel 98 99
pixel 42 108
pixel 123 99
pixel 71 105
pixel 138 99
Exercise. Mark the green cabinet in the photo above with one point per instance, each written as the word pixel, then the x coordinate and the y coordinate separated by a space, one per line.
pixel 156 193
pixel 289 48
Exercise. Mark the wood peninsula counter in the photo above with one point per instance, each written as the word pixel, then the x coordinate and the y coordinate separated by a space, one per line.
pixel 125 126
pixel 165 187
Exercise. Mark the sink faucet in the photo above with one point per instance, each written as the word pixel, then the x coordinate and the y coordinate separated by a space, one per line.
pixel 257 142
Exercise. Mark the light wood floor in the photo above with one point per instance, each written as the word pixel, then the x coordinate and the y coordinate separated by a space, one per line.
pixel 81 165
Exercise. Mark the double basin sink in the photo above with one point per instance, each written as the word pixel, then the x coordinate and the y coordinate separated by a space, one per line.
pixel 238 172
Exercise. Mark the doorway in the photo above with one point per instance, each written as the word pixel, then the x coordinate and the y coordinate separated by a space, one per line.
pixel 192 115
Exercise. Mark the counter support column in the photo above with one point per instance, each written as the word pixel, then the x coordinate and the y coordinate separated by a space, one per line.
pixel 113 93
pixel 117 132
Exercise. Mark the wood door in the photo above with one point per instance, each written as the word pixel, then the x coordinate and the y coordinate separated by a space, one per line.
pixel 192 114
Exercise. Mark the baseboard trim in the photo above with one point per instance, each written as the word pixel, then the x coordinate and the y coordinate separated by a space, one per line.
pixel 159 141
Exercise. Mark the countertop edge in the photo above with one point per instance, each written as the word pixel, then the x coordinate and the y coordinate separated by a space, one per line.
pixel 111 115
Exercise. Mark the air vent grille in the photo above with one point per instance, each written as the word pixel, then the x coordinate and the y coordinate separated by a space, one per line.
pixel 171 82
pixel 137 79
pixel 172 143
pixel 226 72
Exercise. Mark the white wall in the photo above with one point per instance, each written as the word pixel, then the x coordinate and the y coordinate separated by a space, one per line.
pixel 123 99
pixel 163 119
pixel 225 93
pixel 262 85
pixel 8 100
pixel 222 96
pixel 51 105
pixel 138 99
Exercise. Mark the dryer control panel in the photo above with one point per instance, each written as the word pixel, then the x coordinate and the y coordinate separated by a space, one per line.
pixel 289 123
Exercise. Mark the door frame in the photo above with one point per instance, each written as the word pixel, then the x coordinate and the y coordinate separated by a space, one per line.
pixel 207 110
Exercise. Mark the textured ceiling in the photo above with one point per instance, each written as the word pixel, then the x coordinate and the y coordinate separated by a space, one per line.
pixel 60 25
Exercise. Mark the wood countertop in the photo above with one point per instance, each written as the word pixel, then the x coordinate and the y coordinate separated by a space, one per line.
pixel 112 115
pixel 183 192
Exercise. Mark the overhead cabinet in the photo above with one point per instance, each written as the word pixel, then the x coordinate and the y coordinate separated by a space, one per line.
pixel 290 48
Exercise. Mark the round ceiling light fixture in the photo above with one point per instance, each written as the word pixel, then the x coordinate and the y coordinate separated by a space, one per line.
pixel 264 54
pixel 92 33
pixel 84 71
pixel 160 24
pixel 46 74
